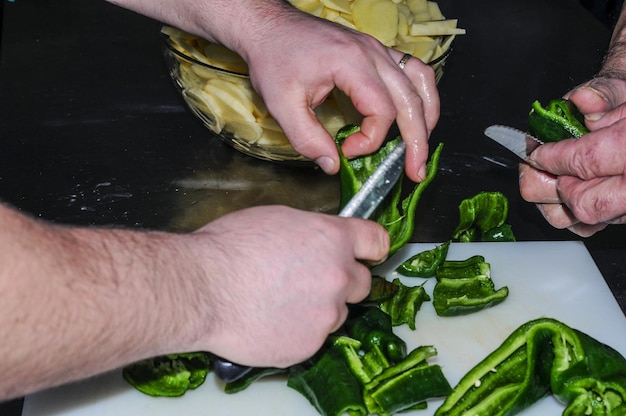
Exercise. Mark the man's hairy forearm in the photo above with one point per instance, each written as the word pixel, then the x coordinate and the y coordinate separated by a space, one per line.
pixel 232 23
pixel 77 302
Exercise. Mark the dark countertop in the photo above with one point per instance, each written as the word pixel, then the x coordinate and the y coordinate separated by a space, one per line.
pixel 94 133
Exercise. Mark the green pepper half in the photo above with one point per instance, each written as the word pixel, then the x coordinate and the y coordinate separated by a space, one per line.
pixel 559 120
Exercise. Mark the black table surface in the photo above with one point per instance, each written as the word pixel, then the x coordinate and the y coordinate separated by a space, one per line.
pixel 94 133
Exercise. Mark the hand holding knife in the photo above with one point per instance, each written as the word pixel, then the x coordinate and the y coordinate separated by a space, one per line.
pixel 362 205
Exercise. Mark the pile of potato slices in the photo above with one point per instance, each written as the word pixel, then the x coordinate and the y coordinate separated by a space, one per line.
pixel 214 83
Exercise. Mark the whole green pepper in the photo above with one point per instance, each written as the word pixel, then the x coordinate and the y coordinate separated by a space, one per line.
pixel 394 213
pixel 541 357
pixel 559 120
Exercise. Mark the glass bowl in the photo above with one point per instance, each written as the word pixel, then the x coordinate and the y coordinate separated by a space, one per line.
pixel 215 85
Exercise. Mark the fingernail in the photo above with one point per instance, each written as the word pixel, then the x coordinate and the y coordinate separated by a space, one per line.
pixel 594 116
pixel 326 163
pixel 597 92
pixel 421 174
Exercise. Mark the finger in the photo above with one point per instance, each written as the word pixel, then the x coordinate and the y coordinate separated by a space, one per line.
pixel 558 215
pixel 594 201
pixel 342 315
pixel 361 284
pixel 598 101
pixel 313 141
pixel 537 186
pixel 416 100
pixel 596 154
pixel 370 239
pixel 586 230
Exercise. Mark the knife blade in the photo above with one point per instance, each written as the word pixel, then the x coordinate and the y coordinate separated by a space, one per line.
pixel 513 139
pixel 361 205
pixel 377 186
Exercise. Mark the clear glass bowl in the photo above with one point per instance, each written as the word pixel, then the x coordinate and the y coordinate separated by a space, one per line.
pixel 215 85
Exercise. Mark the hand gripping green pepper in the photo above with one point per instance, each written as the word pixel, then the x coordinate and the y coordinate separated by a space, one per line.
pixel 169 375
pixel 559 120
pixel 395 214
pixel 541 357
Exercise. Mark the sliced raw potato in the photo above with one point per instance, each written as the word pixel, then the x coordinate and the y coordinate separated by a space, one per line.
pixel 206 107
pixel 342 6
pixel 344 22
pixel 378 18
pixel 436 28
pixel 313 7
pixel 435 11
pixel 226 102
pixel 243 129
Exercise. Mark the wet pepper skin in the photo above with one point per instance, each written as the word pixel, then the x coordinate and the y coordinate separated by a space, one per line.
pixel 558 120
pixel 539 358
pixel 395 214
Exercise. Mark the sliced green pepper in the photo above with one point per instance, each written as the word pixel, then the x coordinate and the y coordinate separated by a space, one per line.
pixel 480 214
pixel 465 286
pixel 541 357
pixel 457 269
pixel 345 380
pixel 329 385
pixel 425 263
pixel 405 304
pixel 407 385
pixel 169 375
pixel 373 327
pixel 453 297
pixel 559 120
pixel 395 214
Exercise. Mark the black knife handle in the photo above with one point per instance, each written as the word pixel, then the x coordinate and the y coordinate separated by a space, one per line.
pixel 228 371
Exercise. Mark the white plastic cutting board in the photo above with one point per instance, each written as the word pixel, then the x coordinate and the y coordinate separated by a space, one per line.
pixel 545 279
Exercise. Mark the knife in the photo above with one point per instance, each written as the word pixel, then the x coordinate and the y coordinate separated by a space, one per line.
pixel 517 141
pixel 361 205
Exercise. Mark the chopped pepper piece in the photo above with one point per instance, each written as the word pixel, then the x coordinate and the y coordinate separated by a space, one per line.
pixel 541 357
pixel 394 213
pixel 405 304
pixel 465 287
pixel 425 263
pixel 373 327
pixel 559 120
pixel 336 382
pixel 169 375
pixel 480 214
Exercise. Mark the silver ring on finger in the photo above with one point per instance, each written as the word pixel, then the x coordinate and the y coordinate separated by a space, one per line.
pixel 405 58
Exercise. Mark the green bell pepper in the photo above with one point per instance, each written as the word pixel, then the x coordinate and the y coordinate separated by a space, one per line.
pixel 394 213
pixel 405 304
pixel 559 120
pixel 346 380
pixel 470 267
pixel 462 296
pixel 482 217
pixel 373 327
pixel 425 263
pixel 541 357
pixel 169 375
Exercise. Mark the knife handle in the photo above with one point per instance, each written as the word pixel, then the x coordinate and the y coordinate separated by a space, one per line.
pixel 228 371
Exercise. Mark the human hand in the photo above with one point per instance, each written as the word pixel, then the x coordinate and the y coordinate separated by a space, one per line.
pixel 277 281
pixel 299 61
